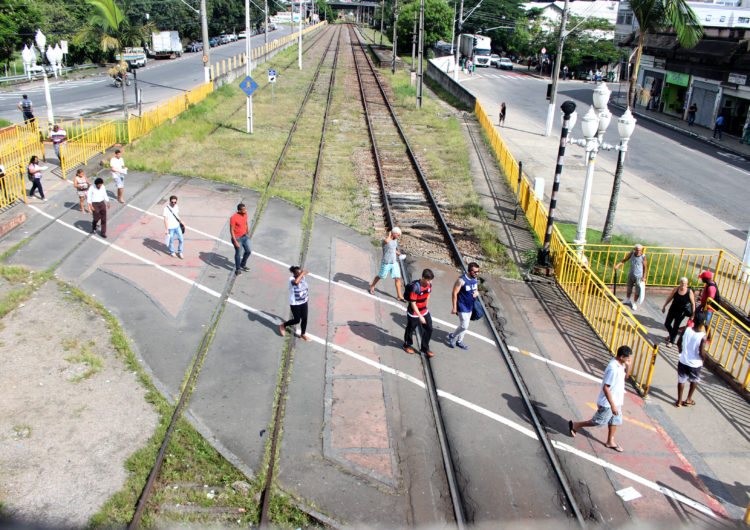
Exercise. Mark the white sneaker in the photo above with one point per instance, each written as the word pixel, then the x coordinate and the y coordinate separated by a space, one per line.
pixel 634 306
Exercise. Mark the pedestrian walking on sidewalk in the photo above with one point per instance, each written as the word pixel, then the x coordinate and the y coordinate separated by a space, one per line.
pixel 565 72
pixel 298 294
pixel 58 137
pixel 238 229
pixel 611 398
pixel 692 109
pixel 464 293
pixel 26 108
pixel 710 290
pixel 502 114
pixel 692 346
pixel 417 314
pixel 389 263
pixel 117 166
pixel 683 305
pixel 745 133
pixel 718 125
pixel 97 198
pixel 638 272
pixel 173 226
pixel 82 185
pixel 35 176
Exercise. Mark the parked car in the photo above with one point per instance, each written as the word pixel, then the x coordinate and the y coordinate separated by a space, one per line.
pixel 232 37
pixel 505 64
pixel 242 34
pixel 494 59
pixel 195 46
pixel 214 41
pixel 223 39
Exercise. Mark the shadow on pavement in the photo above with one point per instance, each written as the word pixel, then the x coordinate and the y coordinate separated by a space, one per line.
pixel 373 333
pixel 217 261
pixel 156 245
pixel 354 281
pixel 83 224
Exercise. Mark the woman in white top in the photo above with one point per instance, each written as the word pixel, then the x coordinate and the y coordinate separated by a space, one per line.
pixel 35 175
pixel 692 346
pixel 297 301
pixel 81 182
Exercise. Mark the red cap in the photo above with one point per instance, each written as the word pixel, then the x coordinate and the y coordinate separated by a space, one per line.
pixel 706 275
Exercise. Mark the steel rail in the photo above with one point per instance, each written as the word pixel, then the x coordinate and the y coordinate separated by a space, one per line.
pixel 445 448
pixel 286 368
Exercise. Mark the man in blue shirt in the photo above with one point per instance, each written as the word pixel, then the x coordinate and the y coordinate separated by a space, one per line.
pixel 464 293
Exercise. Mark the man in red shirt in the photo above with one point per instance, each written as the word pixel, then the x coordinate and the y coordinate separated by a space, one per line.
pixel 240 238
pixel 417 296
pixel 709 291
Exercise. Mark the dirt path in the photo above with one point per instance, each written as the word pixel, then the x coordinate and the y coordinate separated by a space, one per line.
pixel 65 433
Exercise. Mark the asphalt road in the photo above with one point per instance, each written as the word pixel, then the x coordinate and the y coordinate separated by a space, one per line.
pixel 159 81
pixel 702 175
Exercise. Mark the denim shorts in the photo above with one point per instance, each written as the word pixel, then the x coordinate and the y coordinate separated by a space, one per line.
pixel 604 416
pixel 392 268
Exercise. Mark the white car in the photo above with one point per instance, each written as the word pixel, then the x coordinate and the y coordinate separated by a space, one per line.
pixel 504 64
pixel 242 34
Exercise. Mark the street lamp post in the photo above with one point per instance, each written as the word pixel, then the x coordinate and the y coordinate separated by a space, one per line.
pixel 29 59
pixel 625 128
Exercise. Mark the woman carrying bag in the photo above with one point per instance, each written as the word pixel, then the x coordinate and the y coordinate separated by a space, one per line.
pixel 683 305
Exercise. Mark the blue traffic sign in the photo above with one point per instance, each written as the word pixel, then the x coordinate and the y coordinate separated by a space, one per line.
pixel 248 85
pixel 272 73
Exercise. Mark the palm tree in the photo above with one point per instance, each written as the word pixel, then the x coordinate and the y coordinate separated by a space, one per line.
pixel 113 31
pixel 659 15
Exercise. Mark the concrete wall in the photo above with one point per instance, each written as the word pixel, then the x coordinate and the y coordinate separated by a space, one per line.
pixel 437 70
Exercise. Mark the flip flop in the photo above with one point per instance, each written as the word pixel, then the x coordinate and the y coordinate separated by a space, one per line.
pixel 616 448
pixel 571 429
pixel 677 404
pixel 371 291
pixel 688 403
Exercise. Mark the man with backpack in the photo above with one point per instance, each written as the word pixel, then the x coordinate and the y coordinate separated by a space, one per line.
pixel 418 295
pixel 709 291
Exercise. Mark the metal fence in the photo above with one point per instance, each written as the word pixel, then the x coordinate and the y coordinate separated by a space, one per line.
pixel 729 344
pixel 607 316
pixel 18 143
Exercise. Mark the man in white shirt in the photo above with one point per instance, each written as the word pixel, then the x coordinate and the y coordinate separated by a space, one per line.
pixel 96 197
pixel 611 398
pixel 58 137
pixel 117 166
pixel 172 228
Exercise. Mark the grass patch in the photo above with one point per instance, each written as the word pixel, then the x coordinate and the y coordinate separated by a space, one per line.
pixel 86 356
pixel 5 123
pixel 27 281
pixel 445 95
pixel 594 237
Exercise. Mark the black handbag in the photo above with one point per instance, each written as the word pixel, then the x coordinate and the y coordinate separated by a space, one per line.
pixel 182 226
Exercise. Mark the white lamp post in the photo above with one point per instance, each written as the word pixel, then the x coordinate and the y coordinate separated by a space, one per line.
pixel 625 128
pixel 41 41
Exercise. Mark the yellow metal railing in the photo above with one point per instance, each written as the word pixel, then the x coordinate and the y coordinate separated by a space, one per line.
pixel 608 317
pixel 18 143
pixel 730 344
pixel 94 139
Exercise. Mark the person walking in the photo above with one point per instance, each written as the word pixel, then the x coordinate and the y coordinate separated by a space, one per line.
pixel 117 166
pixel 238 229
pixel 35 175
pixel 565 72
pixel 710 290
pixel 464 293
pixel 173 226
pixel 683 305
pixel 718 125
pixel 298 294
pixel 26 108
pixel 389 262
pixel 692 346
pixel 692 109
pixel 4 196
pixel 82 184
pixel 611 398
pixel 745 133
pixel 502 114
pixel 58 137
pixel 98 202
pixel 417 314
pixel 638 272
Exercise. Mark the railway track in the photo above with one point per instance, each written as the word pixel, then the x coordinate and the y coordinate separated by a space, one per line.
pixel 397 183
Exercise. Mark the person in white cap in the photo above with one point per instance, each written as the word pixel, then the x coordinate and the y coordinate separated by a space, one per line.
pixel 638 272
pixel 389 263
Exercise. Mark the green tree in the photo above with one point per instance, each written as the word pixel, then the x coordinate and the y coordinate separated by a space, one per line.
pixel 18 22
pixel 437 23
pixel 589 42
pixel 113 31
pixel 657 16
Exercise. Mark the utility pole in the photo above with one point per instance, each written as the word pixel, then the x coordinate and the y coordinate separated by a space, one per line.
pixel 556 71
pixel 265 5
pixel 420 69
pixel 382 7
pixel 206 45
pixel 459 24
pixel 453 26
pixel 413 41
pixel 395 35
pixel 248 66
pixel 300 33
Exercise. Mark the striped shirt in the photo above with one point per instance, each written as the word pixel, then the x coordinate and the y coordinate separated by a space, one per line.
pixel 418 294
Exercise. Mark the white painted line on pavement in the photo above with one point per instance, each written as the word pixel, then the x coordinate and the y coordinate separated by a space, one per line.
pixel 398 373
pixel 360 292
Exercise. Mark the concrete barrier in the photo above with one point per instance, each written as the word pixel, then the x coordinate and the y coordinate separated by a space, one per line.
pixel 437 70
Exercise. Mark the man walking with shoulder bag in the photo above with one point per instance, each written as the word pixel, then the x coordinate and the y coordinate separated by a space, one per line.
pixel 173 227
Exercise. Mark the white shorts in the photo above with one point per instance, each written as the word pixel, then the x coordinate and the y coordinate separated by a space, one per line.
pixel 119 180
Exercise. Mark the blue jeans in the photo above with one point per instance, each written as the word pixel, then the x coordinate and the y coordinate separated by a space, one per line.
pixel 175 233
pixel 243 243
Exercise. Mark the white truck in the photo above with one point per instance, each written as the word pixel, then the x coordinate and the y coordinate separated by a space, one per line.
pixel 166 44
pixel 477 48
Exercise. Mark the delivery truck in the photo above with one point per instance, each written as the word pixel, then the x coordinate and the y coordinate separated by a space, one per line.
pixel 477 48
pixel 166 44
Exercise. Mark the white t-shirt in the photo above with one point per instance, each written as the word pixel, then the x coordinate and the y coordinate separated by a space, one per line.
pixel 614 376
pixel 297 293
pixel 172 223
pixel 117 165
pixel 691 348
pixel 58 136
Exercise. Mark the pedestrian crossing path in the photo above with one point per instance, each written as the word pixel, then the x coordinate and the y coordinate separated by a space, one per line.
pixel 4 96
pixel 512 76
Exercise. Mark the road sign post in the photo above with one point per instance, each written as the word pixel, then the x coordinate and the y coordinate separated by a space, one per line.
pixel 272 80
pixel 248 86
